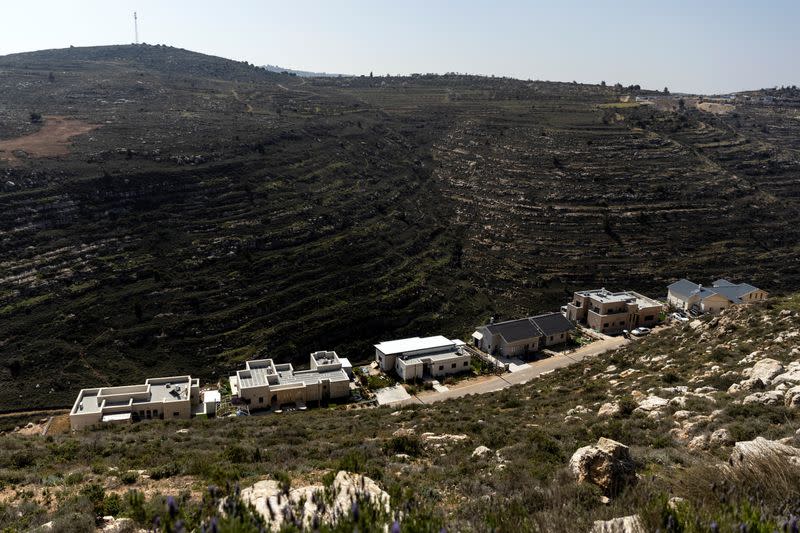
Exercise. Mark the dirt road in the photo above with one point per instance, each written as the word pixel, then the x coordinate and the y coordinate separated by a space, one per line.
pixel 534 370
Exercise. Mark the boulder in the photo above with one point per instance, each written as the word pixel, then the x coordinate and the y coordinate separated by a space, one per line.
pixel 481 451
pixel 720 437
pixel 623 524
pixel 791 398
pixel 765 370
pixel 609 409
pixel 765 398
pixel 274 505
pixel 749 451
pixel 791 376
pixel 110 524
pixel 651 406
pixel 607 464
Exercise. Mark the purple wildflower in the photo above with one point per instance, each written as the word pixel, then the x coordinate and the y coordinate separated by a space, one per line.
pixel 396 527
pixel 355 511
pixel 172 507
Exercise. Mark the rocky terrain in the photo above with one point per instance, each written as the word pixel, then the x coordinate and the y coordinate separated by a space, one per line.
pixel 694 428
pixel 207 211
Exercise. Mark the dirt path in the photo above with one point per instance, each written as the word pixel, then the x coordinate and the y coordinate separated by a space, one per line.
pixel 50 141
pixel 534 370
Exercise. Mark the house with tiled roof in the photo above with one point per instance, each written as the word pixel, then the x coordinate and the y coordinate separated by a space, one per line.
pixel 687 295
pixel 522 336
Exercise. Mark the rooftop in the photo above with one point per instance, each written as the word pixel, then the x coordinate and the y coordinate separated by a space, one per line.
pixel 154 390
pixel 261 372
pixel 414 344
pixel 605 296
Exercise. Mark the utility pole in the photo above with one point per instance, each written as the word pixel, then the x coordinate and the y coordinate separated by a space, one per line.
pixel 136 27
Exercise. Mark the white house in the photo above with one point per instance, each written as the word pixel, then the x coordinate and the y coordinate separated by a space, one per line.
pixel 159 398
pixel 263 384
pixel 422 357
pixel 685 295
pixel 523 336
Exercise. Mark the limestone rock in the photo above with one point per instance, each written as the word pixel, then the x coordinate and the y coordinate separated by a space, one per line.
pixel 791 376
pixel 651 404
pixel 765 370
pixel 609 409
pixel 765 398
pixel 791 397
pixel 481 451
pixel 272 504
pixel 623 524
pixel 115 525
pixel 721 437
pixel 607 464
pixel 746 452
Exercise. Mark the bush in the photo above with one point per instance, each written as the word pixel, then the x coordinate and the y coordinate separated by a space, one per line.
pixel 164 471
pixel 129 477
pixel 407 444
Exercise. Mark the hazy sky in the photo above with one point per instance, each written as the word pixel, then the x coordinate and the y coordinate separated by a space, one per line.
pixel 693 46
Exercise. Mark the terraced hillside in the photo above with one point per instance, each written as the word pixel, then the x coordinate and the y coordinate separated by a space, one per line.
pixel 214 211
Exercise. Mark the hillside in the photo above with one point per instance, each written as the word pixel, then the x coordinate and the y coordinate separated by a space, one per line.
pixel 206 211
pixel 680 399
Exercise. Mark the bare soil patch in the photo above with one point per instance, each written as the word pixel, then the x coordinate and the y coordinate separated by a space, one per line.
pixel 50 141
pixel 715 108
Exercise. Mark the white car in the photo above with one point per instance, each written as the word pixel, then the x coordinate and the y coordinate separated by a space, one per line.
pixel 640 331
pixel 678 317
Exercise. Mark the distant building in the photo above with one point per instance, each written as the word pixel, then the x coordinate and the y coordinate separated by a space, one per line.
pixel 686 295
pixel 263 384
pixel 611 312
pixel 159 398
pixel 420 358
pixel 523 336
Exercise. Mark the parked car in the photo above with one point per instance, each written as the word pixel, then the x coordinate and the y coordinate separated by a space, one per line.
pixel 678 317
pixel 639 332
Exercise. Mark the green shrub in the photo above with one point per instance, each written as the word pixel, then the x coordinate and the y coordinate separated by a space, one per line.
pixel 129 477
pixel 407 444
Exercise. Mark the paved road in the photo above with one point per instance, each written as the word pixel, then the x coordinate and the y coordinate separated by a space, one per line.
pixel 534 370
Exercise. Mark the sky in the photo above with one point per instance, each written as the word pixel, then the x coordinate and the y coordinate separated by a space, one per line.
pixel 700 46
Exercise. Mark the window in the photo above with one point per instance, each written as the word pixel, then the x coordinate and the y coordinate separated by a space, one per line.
pixel 562 336
pixel 466 363
pixel 605 325
pixel 155 412
pixel 453 365
pixel 648 317
pixel 176 414
pixel 441 367
pixel 260 399
pixel 551 337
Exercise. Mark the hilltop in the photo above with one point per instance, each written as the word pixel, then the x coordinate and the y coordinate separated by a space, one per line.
pixel 680 399
pixel 209 212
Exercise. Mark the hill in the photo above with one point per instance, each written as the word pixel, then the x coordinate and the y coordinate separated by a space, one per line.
pixel 681 400
pixel 210 212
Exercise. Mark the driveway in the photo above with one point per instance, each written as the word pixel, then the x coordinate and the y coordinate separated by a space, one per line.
pixel 495 383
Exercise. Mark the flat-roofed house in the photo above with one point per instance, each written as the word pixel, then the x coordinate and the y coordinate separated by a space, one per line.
pixel 686 295
pixel 160 398
pixel 611 312
pixel 263 384
pixel 419 358
pixel 523 336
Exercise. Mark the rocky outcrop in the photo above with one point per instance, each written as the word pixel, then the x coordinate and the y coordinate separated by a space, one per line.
pixel 764 370
pixel 304 503
pixel 623 524
pixel 607 464
pixel 750 451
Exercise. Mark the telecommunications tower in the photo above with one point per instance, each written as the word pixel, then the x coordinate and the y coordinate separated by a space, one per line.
pixel 136 27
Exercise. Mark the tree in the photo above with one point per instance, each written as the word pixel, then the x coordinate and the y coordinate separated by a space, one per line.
pixel 36 117
pixel 603 83
pixel 666 90
pixel 51 77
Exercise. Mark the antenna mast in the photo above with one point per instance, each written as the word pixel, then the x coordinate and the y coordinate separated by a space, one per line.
pixel 136 27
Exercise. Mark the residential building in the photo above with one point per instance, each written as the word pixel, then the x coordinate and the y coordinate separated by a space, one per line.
pixel 686 295
pixel 514 338
pixel 611 312
pixel 420 358
pixel 264 384
pixel 159 398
